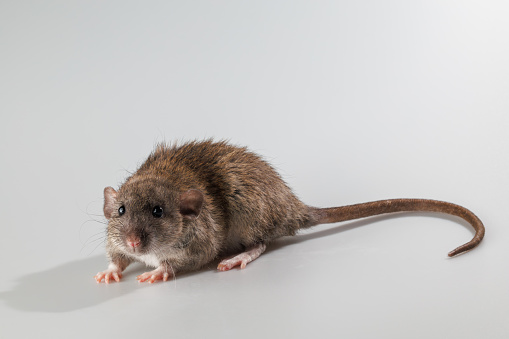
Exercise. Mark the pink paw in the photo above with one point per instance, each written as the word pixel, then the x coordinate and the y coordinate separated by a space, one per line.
pixel 242 259
pixel 109 274
pixel 152 276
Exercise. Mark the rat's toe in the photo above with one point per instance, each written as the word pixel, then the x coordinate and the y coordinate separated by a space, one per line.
pixel 242 259
pixel 108 275
pixel 153 276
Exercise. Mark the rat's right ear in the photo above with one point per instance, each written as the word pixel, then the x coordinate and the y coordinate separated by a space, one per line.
pixel 191 203
pixel 110 201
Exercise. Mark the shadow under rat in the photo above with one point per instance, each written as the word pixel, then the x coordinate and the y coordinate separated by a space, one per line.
pixel 70 286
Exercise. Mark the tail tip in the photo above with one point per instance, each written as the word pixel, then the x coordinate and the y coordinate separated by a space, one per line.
pixel 462 249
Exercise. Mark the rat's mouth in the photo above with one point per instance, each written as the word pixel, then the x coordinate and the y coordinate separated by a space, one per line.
pixel 133 250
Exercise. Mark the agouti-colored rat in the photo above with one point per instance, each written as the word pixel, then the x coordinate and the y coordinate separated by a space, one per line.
pixel 190 204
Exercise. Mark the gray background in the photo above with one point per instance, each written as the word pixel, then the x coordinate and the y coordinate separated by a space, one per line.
pixel 351 101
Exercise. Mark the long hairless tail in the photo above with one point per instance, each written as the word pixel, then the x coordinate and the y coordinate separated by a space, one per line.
pixel 351 212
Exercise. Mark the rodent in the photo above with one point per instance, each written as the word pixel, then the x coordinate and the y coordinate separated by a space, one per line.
pixel 190 204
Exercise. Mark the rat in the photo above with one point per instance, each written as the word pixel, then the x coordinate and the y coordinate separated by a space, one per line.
pixel 190 204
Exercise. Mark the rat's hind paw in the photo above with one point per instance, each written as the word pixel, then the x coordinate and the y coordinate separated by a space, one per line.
pixel 242 259
pixel 109 274
pixel 158 274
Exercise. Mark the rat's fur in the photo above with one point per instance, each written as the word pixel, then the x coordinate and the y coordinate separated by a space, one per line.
pixel 219 199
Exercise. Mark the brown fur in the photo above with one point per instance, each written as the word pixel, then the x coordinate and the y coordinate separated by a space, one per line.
pixel 243 202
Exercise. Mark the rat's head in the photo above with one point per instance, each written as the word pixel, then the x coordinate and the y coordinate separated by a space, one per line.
pixel 145 216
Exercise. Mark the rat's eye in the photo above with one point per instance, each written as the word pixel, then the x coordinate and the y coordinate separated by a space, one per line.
pixel 121 210
pixel 157 212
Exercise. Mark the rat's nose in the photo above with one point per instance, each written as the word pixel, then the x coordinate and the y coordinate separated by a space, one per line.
pixel 133 242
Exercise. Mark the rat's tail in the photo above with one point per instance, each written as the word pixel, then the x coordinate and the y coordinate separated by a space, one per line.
pixel 344 213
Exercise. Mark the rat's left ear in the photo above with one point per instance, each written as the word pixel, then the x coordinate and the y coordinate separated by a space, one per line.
pixel 191 203
pixel 110 200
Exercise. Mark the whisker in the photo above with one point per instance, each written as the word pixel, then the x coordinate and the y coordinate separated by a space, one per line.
pixel 101 243
pixel 174 275
pixel 93 235
pixel 95 248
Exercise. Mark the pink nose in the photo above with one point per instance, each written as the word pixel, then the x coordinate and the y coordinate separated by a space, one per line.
pixel 133 242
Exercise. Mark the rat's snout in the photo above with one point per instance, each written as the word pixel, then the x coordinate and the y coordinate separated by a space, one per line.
pixel 133 242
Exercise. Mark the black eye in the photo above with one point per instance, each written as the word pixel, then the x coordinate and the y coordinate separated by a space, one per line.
pixel 121 210
pixel 157 212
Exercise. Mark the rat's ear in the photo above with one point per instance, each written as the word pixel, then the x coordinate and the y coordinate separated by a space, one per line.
pixel 110 201
pixel 191 203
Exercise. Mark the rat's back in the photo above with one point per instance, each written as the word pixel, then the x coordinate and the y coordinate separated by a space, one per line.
pixel 255 203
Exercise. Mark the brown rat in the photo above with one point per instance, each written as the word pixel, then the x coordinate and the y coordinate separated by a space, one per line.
pixel 188 205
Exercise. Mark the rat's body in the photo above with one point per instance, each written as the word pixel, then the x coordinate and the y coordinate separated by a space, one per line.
pixel 188 205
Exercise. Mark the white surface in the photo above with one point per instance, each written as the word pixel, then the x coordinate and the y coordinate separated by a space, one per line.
pixel 351 101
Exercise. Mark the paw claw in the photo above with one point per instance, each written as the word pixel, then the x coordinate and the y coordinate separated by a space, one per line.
pixel 242 259
pixel 109 274
pixel 153 276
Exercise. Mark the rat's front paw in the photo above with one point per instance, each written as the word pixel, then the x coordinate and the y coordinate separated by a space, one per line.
pixel 112 272
pixel 158 274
